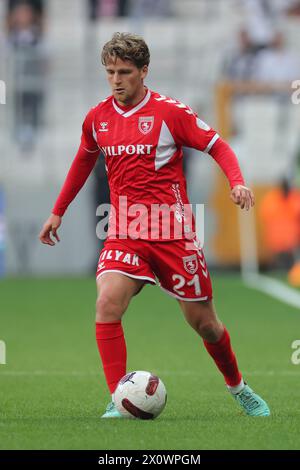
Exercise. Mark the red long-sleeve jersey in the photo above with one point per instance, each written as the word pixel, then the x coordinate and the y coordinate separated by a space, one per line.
pixel 142 147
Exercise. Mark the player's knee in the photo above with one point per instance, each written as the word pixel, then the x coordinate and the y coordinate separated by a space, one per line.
pixel 209 330
pixel 109 308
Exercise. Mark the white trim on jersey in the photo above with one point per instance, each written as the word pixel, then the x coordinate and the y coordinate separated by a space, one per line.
pixel 119 110
pixel 133 110
pixel 186 299
pixel 145 278
pixel 211 143
pixel 166 147
pixel 95 138
pixel 91 151
pixel 94 132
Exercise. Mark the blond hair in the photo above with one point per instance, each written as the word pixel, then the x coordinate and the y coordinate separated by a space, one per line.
pixel 126 46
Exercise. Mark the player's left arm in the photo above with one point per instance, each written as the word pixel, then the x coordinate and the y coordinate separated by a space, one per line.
pixel 223 154
pixel 188 130
pixel 242 196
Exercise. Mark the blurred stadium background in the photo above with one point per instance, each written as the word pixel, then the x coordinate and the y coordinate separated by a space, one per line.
pixel 236 63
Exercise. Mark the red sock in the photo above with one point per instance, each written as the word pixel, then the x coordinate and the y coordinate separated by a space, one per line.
pixel 112 349
pixel 225 359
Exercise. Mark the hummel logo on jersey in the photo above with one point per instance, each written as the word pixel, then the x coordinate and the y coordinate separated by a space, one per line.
pixel 103 127
pixel 146 124
pixel 118 150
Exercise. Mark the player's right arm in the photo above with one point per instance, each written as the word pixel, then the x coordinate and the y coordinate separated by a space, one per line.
pixel 80 170
pixel 50 228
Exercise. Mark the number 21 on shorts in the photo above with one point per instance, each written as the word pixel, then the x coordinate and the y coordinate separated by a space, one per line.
pixel 181 282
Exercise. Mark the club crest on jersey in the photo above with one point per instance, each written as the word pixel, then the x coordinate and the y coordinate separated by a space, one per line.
pixel 190 264
pixel 146 124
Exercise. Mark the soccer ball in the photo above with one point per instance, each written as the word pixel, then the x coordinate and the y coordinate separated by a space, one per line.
pixel 141 395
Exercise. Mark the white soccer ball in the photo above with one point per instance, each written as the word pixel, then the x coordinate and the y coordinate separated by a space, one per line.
pixel 140 394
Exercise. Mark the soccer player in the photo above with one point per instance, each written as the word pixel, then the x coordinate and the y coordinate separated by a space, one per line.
pixel 141 133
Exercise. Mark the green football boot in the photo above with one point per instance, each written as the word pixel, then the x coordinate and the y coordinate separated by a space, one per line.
pixel 252 403
pixel 112 412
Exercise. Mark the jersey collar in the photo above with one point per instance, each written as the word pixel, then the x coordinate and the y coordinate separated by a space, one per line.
pixel 140 105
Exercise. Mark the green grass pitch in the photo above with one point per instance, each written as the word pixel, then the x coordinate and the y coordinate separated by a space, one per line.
pixel 52 390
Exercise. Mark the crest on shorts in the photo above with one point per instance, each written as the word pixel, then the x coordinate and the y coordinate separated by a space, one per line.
pixel 190 263
pixel 146 124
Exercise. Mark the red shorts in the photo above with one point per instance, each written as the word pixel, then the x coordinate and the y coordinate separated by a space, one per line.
pixel 178 265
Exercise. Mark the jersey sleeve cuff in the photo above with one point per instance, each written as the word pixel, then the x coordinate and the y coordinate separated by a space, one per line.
pixel 59 212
